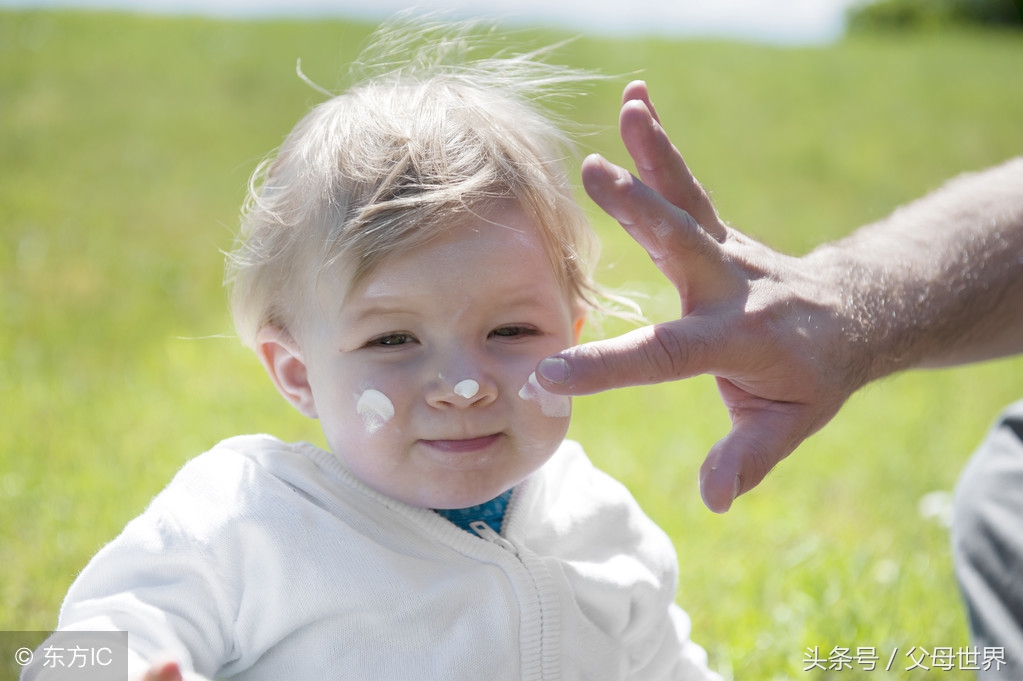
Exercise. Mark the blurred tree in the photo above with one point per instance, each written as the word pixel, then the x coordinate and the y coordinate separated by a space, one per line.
pixel 911 14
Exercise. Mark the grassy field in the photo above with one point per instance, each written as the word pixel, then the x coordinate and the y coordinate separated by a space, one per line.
pixel 125 147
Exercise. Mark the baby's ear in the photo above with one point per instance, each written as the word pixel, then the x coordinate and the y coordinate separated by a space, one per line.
pixel 577 328
pixel 282 358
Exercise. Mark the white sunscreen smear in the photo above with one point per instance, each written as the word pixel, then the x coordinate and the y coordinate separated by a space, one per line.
pixel 375 409
pixel 467 388
pixel 555 406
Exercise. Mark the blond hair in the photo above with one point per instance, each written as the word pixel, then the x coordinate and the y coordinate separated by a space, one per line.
pixel 420 142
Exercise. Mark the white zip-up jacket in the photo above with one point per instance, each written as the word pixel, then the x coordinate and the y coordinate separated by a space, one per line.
pixel 268 560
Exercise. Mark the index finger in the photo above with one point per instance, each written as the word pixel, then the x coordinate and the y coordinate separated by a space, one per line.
pixel 653 354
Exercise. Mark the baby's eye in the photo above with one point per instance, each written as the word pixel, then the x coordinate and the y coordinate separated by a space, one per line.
pixel 391 340
pixel 514 331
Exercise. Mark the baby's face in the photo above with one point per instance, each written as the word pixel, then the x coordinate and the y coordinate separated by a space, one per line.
pixel 421 379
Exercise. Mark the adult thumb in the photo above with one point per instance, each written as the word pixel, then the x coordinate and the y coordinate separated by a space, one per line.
pixel 743 458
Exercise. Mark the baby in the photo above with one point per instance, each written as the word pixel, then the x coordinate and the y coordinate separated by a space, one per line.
pixel 405 261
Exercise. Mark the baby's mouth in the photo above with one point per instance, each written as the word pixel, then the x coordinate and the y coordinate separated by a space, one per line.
pixel 455 446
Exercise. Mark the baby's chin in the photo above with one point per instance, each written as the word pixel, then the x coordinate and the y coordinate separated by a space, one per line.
pixel 462 498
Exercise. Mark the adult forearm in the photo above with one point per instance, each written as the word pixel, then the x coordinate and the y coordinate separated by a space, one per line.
pixel 937 283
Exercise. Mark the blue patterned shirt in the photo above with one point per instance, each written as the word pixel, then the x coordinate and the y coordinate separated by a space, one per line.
pixel 491 512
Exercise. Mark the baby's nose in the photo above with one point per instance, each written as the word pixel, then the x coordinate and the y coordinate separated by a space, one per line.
pixel 467 388
pixel 462 392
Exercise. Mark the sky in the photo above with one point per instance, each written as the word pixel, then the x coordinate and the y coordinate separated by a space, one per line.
pixel 787 22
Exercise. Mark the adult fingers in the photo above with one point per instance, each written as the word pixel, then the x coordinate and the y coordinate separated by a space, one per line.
pixel 676 243
pixel 637 90
pixel 756 443
pixel 661 167
pixel 652 354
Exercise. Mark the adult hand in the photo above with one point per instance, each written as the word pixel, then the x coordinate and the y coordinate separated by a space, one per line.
pixel 765 325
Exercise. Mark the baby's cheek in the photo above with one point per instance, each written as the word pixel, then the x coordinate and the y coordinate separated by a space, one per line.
pixel 375 409
pixel 550 405
pixel 547 420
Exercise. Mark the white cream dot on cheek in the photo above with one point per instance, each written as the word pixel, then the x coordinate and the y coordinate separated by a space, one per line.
pixel 554 406
pixel 375 409
pixel 467 388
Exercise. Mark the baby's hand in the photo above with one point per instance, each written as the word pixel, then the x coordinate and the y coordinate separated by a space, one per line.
pixel 164 671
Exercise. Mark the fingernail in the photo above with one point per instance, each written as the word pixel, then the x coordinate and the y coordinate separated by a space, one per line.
pixel 554 369
pixel 716 502
pixel 616 173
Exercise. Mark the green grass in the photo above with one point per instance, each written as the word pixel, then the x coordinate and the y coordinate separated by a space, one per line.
pixel 125 147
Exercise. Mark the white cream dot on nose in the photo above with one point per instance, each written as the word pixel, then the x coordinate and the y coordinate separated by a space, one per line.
pixel 467 388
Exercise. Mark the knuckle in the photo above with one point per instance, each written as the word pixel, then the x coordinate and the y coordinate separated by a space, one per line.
pixel 666 355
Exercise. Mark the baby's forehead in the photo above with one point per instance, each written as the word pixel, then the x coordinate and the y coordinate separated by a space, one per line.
pixel 503 256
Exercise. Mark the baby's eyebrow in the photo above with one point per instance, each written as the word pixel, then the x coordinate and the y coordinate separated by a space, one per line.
pixel 383 305
pixel 381 309
pixel 526 300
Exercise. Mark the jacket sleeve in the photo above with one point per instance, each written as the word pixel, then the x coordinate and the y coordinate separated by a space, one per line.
pixel 163 581
pixel 667 652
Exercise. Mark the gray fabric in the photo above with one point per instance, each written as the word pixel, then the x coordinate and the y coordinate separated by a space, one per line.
pixel 987 542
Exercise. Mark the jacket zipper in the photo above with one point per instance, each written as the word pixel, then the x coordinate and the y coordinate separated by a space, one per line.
pixel 485 531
